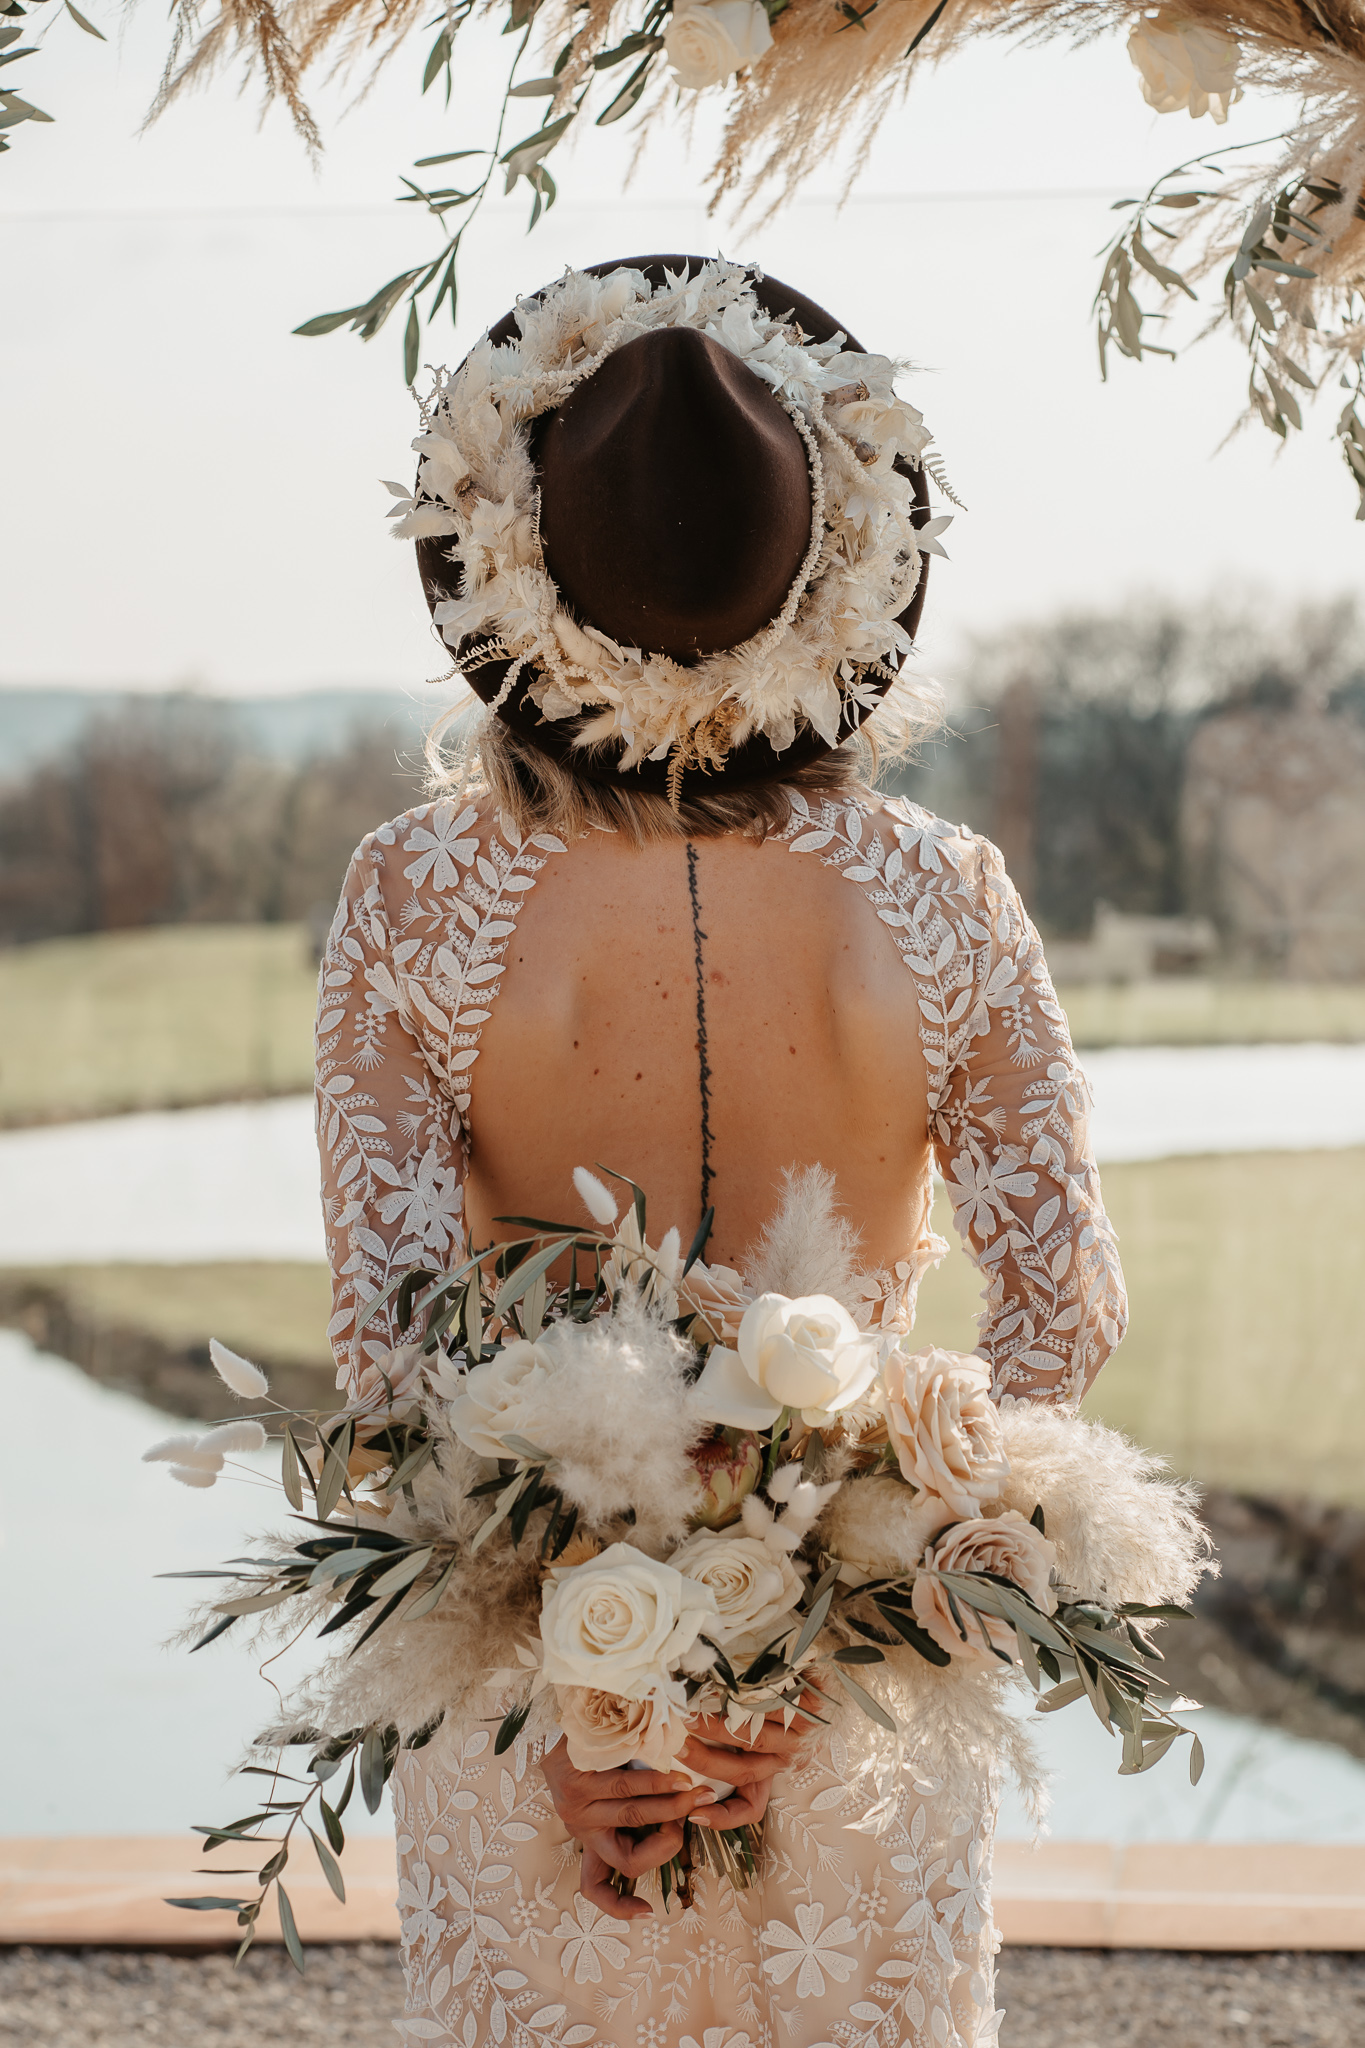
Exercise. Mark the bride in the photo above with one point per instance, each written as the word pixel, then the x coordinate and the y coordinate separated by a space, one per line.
pixel 674 524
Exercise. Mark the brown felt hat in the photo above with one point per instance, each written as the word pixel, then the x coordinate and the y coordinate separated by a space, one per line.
pixel 675 514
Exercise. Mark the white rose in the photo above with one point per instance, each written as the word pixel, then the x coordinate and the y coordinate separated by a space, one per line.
pixel 604 1731
pixel 1006 1545
pixel 945 1428
pixel 708 43
pixel 807 1354
pixel 497 1396
pixel 620 1622
pixel 1184 64
pixel 753 1584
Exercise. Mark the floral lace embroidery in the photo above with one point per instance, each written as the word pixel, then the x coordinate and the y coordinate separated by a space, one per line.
pixel 414 964
pixel 851 1940
pixel 1007 1102
pixel 407 983
pixel 848 1941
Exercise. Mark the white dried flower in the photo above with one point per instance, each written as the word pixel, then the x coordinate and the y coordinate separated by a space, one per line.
pixel 239 1374
pixel 169 1450
pixel 596 1198
pixel 234 1436
pixel 196 1475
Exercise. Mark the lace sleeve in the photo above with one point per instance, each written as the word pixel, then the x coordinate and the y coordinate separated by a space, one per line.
pixel 388 1128
pixel 1009 1111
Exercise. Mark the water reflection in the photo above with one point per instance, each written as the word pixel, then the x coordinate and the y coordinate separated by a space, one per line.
pixel 120 1736
pixel 241 1181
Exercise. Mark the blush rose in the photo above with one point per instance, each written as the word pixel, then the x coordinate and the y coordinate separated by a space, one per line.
pixel 1005 1544
pixel 944 1427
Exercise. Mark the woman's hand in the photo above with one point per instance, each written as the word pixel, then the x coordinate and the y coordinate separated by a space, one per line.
pixel 604 1810
pixel 749 1765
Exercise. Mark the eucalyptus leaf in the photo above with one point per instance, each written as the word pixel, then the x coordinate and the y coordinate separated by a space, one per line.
pixel 330 1868
pixel 425 1602
pixel 872 1708
pixel 288 1928
pixel 402 1574
pixel 372 1769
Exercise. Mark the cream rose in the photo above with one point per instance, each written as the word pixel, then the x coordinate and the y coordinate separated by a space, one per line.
pixel 604 1731
pixel 1006 1544
pixel 707 43
pixel 498 1397
pixel 1184 64
pixel 620 1622
pixel 807 1354
pixel 717 1297
pixel 944 1427
pixel 753 1584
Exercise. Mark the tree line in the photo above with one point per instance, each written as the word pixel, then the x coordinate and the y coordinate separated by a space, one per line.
pixel 1066 742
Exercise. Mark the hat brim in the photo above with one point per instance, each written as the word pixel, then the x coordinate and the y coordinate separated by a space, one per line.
pixel 755 761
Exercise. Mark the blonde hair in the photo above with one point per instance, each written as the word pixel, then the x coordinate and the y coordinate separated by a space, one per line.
pixel 541 794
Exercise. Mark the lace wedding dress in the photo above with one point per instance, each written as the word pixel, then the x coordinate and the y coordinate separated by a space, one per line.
pixel 851 1938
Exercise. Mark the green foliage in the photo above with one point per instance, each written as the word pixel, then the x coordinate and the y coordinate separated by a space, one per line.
pixel 14 108
pixel 454 207
pixel 1280 235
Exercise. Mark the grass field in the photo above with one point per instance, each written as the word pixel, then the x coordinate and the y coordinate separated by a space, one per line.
pixel 154 1019
pixel 204 1013
pixel 1245 1359
pixel 1185 1010
pixel 1244 1365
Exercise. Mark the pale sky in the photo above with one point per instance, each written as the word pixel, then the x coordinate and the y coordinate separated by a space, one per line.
pixel 191 493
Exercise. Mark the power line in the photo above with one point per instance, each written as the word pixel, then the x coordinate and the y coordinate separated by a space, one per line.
pixel 616 206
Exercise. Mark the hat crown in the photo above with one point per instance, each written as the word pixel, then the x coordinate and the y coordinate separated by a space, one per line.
pixel 675 497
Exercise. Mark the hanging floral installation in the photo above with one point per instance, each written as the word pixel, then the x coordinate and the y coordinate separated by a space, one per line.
pixel 1286 237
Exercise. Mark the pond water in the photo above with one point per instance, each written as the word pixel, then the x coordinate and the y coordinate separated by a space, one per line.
pixel 118 1735
pixel 240 1181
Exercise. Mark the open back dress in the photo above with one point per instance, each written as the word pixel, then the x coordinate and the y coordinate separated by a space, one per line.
pixel 851 1938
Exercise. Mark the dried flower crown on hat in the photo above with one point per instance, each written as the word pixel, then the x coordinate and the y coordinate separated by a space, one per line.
pixel 837 631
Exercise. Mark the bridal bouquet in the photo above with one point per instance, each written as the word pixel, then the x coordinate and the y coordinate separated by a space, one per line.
pixel 603 1489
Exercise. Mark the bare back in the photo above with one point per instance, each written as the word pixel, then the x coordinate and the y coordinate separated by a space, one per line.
pixel 593 1052
pixel 496 1008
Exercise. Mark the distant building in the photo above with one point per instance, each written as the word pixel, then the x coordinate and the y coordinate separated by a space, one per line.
pixel 1123 948
pixel 1273 832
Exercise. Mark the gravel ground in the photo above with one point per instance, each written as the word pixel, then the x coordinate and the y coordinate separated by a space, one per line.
pixel 1056 1998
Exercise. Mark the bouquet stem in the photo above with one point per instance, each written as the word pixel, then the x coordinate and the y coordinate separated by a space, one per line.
pixel 732 1853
